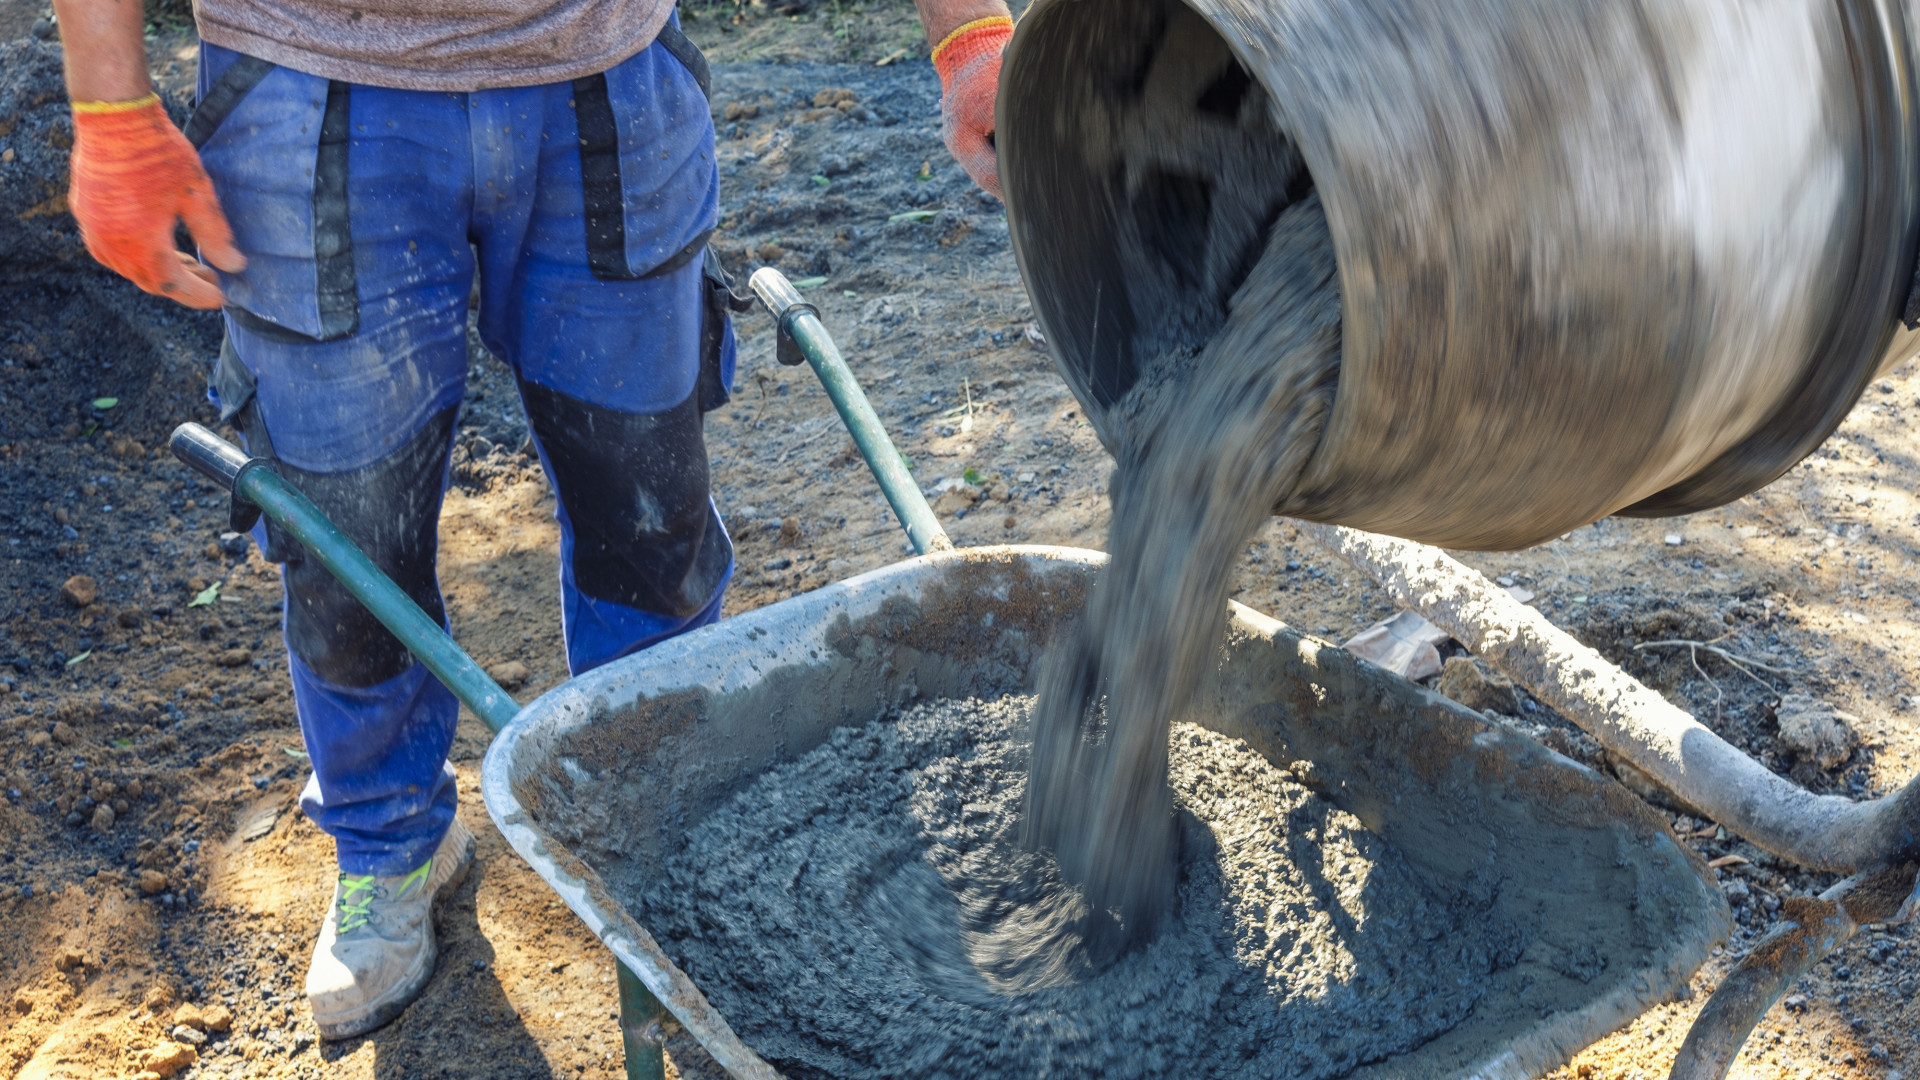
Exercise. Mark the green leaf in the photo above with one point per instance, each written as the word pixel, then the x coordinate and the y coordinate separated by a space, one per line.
pixel 909 462
pixel 911 215
pixel 291 752
pixel 79 658
pixel 849 294
pixel 973 478
pixel 810 283
pixel 821 182
pixel 926 172
pixel 121 743
pixel 205 596
pixel 105 402
pixel 91 428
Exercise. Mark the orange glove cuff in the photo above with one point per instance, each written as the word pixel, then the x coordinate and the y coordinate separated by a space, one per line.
pixel 969 42
pixel 103 108
pixel 125 136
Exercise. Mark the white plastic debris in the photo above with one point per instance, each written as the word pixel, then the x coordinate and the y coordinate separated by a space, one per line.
pixel 1406 644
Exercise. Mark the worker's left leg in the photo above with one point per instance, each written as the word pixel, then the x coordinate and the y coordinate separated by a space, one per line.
pixel 596 293
pixel 345 364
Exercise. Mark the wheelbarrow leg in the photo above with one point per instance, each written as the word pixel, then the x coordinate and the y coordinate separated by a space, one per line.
pixel 642 1028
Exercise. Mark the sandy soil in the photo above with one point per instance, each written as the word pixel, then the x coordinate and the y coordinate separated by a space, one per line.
pixel 154 870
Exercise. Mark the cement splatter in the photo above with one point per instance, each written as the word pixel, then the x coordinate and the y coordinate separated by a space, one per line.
pixel 844 910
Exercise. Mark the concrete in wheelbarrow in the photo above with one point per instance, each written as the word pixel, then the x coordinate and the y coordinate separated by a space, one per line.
pixel 593 783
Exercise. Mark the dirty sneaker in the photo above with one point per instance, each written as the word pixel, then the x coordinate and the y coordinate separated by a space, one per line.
pixel 376 947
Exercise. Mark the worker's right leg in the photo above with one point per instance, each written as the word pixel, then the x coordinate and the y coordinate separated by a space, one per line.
pixel 345 363
pixel 616 363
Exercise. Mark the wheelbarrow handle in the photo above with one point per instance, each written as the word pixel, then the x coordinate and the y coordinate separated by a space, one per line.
pixel 1812 928
pixel 254 485
pixel 802 333
pixel 253 482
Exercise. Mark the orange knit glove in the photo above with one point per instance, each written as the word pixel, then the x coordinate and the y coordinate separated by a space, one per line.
pixel 968 61
pixel 134 176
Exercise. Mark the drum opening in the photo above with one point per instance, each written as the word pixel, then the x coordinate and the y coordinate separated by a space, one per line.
pixel 1144 166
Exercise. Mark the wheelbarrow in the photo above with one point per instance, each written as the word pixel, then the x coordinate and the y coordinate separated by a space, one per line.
pixel 599 779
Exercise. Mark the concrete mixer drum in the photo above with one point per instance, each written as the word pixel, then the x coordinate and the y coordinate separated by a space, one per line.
pixel 1594 257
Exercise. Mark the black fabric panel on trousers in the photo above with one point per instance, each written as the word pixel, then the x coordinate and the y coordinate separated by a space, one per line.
pixel 604 194
pixel 232 384
pixel 676 42
pixel 234 83
pixel 336 284
pixel 337 288
pixel 635 489
pixel 605 211
pixel 716 289
pixel 392 510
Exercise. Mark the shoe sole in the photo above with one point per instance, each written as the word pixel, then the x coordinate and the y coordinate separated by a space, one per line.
pixel 389 1007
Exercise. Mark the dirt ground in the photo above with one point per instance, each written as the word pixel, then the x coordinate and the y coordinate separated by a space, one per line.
pixel 158 886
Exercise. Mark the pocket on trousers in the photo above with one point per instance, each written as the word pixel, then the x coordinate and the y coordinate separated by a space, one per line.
pixel 274 142
pixel 649 182
pixel 718 352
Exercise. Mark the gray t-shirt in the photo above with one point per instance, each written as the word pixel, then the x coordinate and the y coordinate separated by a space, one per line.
pixel 436 44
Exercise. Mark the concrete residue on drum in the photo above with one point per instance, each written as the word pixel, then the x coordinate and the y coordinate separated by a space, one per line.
pixel 843 912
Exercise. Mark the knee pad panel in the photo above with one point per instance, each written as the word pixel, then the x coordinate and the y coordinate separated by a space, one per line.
pixel 634 488
pixel 391 509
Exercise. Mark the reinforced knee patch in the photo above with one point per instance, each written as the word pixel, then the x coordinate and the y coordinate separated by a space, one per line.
pixel 634 489
pixel 390 508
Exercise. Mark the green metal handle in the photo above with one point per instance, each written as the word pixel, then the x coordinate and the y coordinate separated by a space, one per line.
pixel 799 324
pixel 253 481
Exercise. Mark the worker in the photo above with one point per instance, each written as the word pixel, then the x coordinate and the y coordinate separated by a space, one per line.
pixel 348 170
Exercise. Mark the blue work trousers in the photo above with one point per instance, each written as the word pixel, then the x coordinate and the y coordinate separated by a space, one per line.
pixel 365 214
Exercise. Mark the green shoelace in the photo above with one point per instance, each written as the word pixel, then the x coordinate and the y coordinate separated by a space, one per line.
pixel 356 895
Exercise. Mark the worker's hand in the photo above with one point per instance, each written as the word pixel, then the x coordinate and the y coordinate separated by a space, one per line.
pixel 968 61
pixel 134 176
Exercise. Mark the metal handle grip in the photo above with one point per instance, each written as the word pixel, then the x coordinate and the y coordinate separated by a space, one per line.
pixel 221 462
pixel 775 291
pixel 210 455
pixel 786 304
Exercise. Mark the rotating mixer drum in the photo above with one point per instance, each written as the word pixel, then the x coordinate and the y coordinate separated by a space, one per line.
pixel 1595 257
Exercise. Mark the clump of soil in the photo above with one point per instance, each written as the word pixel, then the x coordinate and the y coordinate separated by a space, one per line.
pixel 848 912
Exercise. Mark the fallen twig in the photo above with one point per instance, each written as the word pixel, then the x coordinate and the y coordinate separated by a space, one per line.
pixel 1731 658
pixel 1738 662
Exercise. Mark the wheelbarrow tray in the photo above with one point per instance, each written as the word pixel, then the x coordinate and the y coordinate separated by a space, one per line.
pixel 595 783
